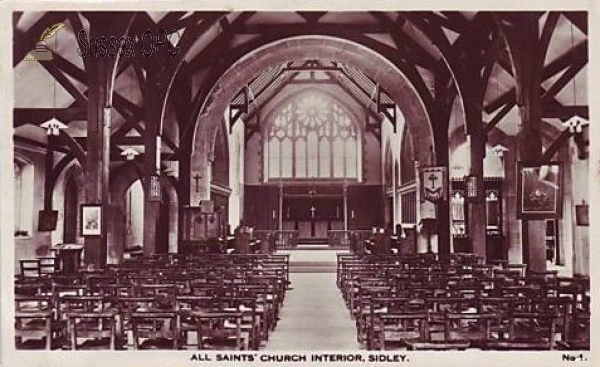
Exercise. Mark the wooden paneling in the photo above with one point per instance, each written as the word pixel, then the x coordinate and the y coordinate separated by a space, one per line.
pixel 365 202
pixel 260 202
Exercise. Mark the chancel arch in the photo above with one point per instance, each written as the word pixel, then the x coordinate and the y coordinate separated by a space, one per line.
pixel 289 50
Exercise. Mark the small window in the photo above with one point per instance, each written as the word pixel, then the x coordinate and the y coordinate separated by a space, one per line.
pixel 23 198
pixel 552 242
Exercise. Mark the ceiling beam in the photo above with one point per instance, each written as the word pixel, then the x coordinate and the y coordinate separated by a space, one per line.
pixel 36 116
pixel 563 80
pixel 453 21
pixel 195 30
pixel 218 46
pixel 555 146
pixel 312 81
pixel 311 16
pixel 411 49
pixel 435 34
pixel 308 28
pixel 76 24
pixel 499 116
pixel 70 69
pixel 58 75
pixel 37 144
pixel 130 124
pixel 170 19
pixel 577 53
pixel 565 112
pixel 74 147
pixel 579 19
pixel 546 37
pixel 60 166
pixel 256 107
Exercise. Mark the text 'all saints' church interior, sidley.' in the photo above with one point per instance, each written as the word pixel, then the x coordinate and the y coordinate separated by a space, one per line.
pixel 210 180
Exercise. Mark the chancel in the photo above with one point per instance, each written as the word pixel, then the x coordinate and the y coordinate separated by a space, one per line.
pixel 303 181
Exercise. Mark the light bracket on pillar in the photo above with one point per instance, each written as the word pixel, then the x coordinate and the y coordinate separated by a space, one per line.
pixel 472 187
pixel 158 149
pixel 53 127
pixel 500 149
pixel 154 190
pixel 171 169
pixel 582 217
pixel 578 128
pixel 575 124
pixel 130 153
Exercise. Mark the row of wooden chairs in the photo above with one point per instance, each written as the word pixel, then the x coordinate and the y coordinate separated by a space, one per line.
pixel 454 302
pixel 228 301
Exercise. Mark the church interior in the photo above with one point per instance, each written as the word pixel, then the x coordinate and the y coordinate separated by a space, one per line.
pixel 412 180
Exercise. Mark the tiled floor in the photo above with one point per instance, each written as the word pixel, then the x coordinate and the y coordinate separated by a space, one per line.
pixel 314 317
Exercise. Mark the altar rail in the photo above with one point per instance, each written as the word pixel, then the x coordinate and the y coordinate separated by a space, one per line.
pixel 362 235
pixel 277 239
pixel 339 238
pixel 354 240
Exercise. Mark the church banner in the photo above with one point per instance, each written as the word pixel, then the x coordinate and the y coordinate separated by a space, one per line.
pixel 434 183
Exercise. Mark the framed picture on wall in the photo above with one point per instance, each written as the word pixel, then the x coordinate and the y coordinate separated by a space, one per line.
pixel 91 220
pixel 539 190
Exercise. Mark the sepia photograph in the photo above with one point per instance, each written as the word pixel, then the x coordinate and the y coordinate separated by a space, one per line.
pixel 336 186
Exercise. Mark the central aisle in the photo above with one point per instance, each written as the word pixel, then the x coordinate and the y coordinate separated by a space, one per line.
pixel 314 317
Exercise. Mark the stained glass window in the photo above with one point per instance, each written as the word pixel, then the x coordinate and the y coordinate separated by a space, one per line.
pixel 312 137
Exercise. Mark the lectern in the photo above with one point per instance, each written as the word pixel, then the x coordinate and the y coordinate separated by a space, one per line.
pixel 68 256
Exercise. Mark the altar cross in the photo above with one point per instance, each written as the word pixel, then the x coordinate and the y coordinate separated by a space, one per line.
pixel 432 179
pixel 197 178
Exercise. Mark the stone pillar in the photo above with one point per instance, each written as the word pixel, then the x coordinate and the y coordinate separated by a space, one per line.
pixel 152 112
pixel 512 225
pixel 444 234
pixel 345 193
pixel 116 233
pixel 200 172
pixel 445 96
pixel 477 221
pixel 525 46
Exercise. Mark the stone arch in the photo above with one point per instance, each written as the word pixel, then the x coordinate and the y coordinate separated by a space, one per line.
pixel 407 159
pixel 279 52
pixel 71 175
pixel 220 155
pixel 170 200
pixel 388 165
pixel 121 179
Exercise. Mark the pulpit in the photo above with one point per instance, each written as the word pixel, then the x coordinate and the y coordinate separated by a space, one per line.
pixel 382 242
pixel 243 237
pixel 68 256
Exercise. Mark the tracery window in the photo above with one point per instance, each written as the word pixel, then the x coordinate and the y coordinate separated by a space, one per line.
pixel 312 137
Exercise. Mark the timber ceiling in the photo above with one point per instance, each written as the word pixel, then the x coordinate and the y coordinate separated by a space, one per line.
pixel 428 47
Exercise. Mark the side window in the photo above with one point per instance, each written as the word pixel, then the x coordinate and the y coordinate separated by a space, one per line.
pixel 552 242
pixel 23 198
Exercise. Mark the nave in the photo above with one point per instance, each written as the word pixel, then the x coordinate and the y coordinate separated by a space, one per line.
pixel 255 302
pixel 289 180
pixel 315 317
